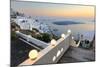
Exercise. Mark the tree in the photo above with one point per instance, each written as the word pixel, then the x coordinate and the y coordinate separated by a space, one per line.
pixel 35 29
pixel 46 37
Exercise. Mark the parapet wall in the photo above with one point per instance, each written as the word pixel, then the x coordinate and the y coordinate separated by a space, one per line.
pixel 52 53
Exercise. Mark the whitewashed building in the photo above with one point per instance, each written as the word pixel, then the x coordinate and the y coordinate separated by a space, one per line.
pixel 29 23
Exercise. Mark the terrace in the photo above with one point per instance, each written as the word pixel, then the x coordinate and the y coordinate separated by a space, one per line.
pixel 54 49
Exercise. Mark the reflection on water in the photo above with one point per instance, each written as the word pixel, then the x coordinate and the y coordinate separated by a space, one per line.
pixel 87 30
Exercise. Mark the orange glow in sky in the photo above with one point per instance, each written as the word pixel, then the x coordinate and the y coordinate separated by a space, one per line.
pixel 49 9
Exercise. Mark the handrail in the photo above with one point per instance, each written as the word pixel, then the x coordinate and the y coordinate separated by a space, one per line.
pixel 73 43
pixel 46 55
pixel 32 40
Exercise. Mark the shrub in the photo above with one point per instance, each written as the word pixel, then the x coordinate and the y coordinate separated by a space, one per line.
pixel 13 35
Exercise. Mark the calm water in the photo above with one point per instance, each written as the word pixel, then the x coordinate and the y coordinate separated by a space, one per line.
pixel 60 25
pixel 85 30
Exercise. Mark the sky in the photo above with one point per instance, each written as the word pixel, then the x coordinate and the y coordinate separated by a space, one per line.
pixel 51 9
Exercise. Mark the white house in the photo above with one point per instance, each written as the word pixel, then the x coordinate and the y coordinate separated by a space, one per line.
pixel 29 23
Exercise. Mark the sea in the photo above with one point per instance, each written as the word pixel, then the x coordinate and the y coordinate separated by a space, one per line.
pixel 82 26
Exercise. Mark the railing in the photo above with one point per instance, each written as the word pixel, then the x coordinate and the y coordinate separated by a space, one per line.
pixel 52 52
pixel 32 40
pixel 73 42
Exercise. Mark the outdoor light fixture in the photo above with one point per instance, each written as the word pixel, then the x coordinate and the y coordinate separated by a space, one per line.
pixel 53 42
pixel 54 58
pixel 63 36
pixel 33 54
pixel 58 53
pixel 69 31
pixel 62 49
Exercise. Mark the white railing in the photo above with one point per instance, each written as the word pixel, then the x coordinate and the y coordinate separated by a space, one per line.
pixel 73 42
pixel 32 40
pixel 52 53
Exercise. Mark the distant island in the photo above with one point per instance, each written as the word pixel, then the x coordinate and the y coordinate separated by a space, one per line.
pixel 66 22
